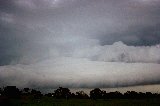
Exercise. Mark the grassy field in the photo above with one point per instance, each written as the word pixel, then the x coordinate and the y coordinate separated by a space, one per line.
pixel 48 101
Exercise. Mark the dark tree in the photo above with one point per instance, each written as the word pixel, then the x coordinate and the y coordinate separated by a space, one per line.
pixel 149 95
pixel 49 94
pixel 131 94
pixel 73 95
pixel 96 94
pixel 141 95
pixel 1 91
pixel 26 90
pixel 104 94
pixel 62 93
pixel 36 94
pixel 11 91
pixel 81 95
pixel 112 95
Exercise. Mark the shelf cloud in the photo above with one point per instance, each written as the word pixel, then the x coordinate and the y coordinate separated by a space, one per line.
pixel 79 43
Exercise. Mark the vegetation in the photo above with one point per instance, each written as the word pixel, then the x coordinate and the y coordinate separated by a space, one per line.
pixel 12 96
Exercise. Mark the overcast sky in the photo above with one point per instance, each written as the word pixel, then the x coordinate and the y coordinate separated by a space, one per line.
pixel 79 43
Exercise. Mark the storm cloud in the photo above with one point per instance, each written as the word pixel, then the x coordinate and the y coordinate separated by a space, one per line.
pixel 78 73
pixel 118 39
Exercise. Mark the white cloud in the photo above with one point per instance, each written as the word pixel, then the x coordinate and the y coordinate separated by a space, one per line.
pixel 76 72
pixel 63 46
pixel 119 52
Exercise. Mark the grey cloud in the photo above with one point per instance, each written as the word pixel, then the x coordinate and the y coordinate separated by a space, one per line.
pixel 33 27
pixel 76 72
pixel 135 35
pixel 118 52
pixel 35 31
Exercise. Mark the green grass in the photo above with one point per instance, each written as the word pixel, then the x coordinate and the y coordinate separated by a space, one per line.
pixel 46 101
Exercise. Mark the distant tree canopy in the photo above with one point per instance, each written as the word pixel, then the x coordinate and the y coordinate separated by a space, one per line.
pixel 36 94
pixel 1 91
pixel 11 91
pixel 96 93
pixel 81 95
pixel 65 93
pixel 62 93
pixel 26 90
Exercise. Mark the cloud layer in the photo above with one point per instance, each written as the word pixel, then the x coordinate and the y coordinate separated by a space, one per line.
pixel 33 28
pixel 119 52
pixel 75 72
pixel 79 43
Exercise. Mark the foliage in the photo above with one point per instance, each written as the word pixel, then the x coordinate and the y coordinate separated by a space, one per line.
pixel 11 95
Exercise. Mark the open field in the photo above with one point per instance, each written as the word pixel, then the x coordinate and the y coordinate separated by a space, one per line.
pixel 49 101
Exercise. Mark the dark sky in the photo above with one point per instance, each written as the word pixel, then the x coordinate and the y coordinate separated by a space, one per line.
pixel 111 32
pixel 25 24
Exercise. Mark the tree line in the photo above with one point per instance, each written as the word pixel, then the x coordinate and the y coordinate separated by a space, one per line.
pixel 65 93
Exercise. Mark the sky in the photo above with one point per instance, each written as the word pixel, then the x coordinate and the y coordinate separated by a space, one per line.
pixel 79 43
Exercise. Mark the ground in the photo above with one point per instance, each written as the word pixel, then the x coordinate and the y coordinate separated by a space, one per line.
pixel 49 101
